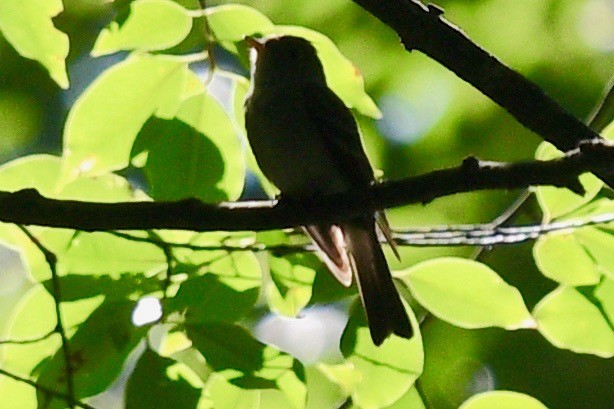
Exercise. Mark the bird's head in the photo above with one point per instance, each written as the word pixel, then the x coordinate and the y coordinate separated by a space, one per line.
pixel 280 57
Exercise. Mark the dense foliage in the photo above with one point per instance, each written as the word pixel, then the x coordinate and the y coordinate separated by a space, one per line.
pixel 183 319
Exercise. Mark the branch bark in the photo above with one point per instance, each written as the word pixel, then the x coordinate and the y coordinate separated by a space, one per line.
pixel 424 29
pixel 28 207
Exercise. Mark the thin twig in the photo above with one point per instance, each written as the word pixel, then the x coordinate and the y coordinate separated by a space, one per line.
pixel 52 261
pixel 484 235
pixel 49 391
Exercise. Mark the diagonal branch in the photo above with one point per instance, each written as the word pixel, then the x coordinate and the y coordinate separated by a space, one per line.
pixel 52 261
pixel 29 207
pixel 424 29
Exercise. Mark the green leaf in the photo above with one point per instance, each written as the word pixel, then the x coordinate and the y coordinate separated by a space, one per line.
pixel 105 120
pixel 27 25
pixel 39 172
pixel 238 270
pixel 322 391
pixel 411 400
pixel 240 88
pixel 103 253
pixel 605 294
pixel 387 372
pixel 502 400
pixel 467 294
pixel 206 299
pixel 291 286
pixel 232 352
pixel 152 25
pixel 98 350
pixel 221 394
pixel 560 257
pixel 569 321
pixel 232 22
pixel 172 389
pixel 598 243
pixel 206 115
pixel 556 202
pixel 341 75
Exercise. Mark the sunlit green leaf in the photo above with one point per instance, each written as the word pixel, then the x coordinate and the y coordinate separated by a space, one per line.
pixel 562 258
pixel 291 286
pixel 605 294
pixel 466 293
pixel 411 400
pixel 502 400
pixel 172 389
pixel 27 25
pixel 105 120
pixel 556 202
pixel 206 115
pixel 598 243
pixel 386 372
pixel 151 25
pixel 245 362
pixel 232 22
pixel 322 391
pixel 220 394
pixel 570 321
pixel 103 253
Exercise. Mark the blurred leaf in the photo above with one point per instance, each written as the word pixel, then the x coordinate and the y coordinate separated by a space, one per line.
pixel 466 293
pixel 555 201
pixel 158 382
pixel 232 351
pixel 386 372
pixel 560 257
pixel 98 351
pixel 291 286
pixel 27 25
pixel 341 75
pixel 206 299
pixel 569 321
pixel 152 25
pixel 105 120
pixel 502 400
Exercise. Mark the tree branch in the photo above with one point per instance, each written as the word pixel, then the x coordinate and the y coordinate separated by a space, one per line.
pixel 424 29
pixel 30 208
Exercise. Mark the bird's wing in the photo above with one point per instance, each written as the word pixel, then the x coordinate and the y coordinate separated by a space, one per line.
pixel 337 126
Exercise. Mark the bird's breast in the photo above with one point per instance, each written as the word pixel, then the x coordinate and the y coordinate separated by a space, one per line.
pixel 289 147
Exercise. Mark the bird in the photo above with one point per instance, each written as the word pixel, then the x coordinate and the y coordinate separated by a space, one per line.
pixel 307 142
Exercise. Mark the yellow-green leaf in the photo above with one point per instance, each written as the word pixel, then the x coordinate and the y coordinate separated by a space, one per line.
pixel 27 25
pixel 151 25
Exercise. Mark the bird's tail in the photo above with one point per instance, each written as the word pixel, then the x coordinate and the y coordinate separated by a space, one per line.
pixel 382 303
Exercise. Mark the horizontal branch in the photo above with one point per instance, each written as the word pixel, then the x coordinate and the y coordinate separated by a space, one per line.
pixel 28 207
pixel 424 29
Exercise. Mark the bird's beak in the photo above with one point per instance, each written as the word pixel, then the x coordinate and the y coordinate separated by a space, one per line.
pixel 254 43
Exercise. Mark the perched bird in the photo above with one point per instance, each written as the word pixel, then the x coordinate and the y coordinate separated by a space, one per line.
pixel 306 142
